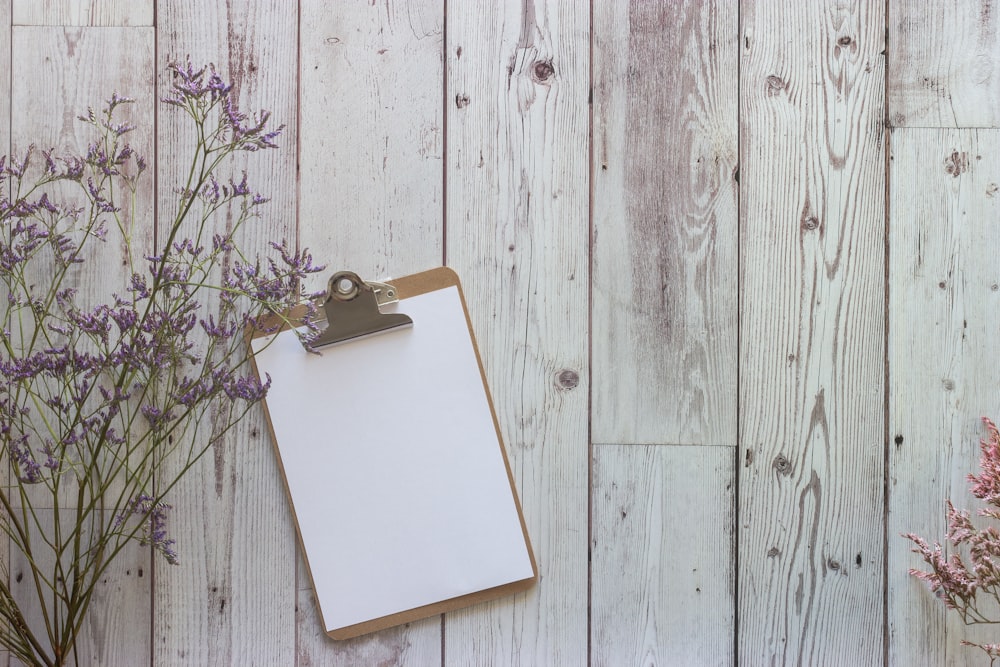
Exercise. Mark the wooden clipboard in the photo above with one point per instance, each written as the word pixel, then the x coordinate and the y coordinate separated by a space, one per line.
pixel 482 463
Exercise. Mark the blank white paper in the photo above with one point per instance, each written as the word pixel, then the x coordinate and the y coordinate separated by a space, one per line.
pixel 393 465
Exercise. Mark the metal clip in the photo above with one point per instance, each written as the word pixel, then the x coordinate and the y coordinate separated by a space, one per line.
pixel 351 306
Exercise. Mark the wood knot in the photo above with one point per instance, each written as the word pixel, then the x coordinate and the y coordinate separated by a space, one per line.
pixel 810 223
pixel 567 379
pixel 956 164
pixel 845 41
pixel 542 71
pixel 461 101
pixel 782 465
pixel 775 84
pixel 898 440
pixel 773 552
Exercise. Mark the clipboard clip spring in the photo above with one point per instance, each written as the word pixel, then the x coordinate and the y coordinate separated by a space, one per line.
pixel 351 306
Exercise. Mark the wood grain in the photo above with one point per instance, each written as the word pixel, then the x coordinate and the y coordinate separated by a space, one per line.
pixel 232 600
pixel 944 64
pixel 662 548
pixel 415 644
pixel 372 137
pixel 5 82
pixel 389 142
pixel 665 233
pixel 944 315
pixel 811 329
pixel 83 12
pixel 371 200
pixel 116 629
pixel 517 234
pixel 72 69
pixel 5 78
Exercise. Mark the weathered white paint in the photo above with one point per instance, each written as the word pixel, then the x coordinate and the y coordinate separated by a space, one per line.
pixel 517 234
pixel 944 372
pixel 116 630
pixel 73 69
pixel 389 142
pixel 944 64
pixel 232 601
pixel 662 550
pixel 5 31
pixel 83 12
pixel 665 224
pixel 812 258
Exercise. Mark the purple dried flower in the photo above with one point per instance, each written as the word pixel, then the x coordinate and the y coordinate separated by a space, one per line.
pixel 112 379
pixel 17 169
pixel 26 469
pixel 240 189
pixel 154 529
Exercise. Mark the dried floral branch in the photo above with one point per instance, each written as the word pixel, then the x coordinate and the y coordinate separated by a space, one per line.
pixel 966 575
pixel 105 406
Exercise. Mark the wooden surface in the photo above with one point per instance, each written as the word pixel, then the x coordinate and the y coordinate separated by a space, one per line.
pixel 812 263
pixel 944 278
pixel 664 206
pixel 516 230
pixel 735 291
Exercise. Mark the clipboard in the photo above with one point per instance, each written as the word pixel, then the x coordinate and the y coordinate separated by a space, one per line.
pixel 394 465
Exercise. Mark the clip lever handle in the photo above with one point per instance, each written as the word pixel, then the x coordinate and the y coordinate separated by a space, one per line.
pixel 352 310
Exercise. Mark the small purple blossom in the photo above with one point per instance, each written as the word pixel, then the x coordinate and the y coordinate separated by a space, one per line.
pixel 153 514
pixel 97 393
pixel 26 469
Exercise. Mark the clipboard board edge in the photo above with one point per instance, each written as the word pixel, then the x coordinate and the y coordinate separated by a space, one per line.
pixel 431 610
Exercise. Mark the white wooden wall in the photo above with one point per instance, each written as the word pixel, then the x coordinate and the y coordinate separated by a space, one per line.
pixel 733 269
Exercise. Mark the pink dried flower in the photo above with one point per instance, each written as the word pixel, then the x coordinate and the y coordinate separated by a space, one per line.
pixel 971 568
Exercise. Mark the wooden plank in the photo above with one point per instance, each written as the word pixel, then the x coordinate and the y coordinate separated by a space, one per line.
pixel 71 70
pixel 517 156
pixel 372 202
pixel 232 600
pixel 83 12
pixel 371 179
pixel 811 331
pixel 415 644
pixel 665 232
pixel 5 82
pixel 943 64
pixel 943 367
pixel 5 78
pixel 662 549
pixel 116 630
